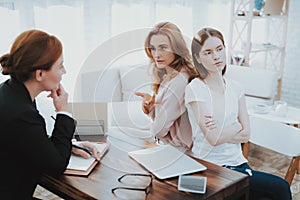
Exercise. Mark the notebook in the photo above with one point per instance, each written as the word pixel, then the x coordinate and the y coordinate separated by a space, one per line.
pixel 82 166
pixel 165 161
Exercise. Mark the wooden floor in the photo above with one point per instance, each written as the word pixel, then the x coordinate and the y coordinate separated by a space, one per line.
pixel 259 159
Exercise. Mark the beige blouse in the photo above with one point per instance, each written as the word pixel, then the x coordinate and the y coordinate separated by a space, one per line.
pixel 170 119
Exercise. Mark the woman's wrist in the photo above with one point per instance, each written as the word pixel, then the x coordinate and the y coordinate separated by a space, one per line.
pixel 238 126
pixel 65 113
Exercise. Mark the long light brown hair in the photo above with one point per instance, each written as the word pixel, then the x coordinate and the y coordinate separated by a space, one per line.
pixel 182 59
pixel 30 51
pixel 197 44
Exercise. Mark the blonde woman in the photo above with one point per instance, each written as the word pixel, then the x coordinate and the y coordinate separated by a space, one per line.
pixel 172 71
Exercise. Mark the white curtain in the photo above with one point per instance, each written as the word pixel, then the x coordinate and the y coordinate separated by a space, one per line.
pixel 83 25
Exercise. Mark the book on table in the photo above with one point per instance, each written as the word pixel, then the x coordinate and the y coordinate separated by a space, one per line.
pixel 166 161
pixel 83 166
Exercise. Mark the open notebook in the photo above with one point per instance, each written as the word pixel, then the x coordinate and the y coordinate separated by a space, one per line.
pixel 82 166
pixel 165 161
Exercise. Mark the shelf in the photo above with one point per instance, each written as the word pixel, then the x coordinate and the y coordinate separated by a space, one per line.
pixel 264 47
pixel 259 39
pixel 265 17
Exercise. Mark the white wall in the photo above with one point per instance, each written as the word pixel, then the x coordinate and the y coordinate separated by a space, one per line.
pixel 291 78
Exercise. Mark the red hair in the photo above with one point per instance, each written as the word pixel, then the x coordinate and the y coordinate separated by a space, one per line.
pixel 30 51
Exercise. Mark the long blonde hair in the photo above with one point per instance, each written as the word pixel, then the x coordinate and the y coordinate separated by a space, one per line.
pixel 182 59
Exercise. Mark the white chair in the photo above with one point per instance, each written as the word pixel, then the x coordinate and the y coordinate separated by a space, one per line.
pixel 278 137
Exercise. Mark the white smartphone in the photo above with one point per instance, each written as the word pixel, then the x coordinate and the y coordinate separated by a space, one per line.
pixel 195 184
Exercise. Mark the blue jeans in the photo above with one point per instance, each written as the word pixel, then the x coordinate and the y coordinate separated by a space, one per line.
pixel 264 185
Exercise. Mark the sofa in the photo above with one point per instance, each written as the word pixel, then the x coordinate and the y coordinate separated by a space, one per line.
pixel 109 94
pixel 116 86
pixel 260 84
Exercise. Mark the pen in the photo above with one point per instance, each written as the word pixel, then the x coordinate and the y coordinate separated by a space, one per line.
pixel 76 146
pixel 82 148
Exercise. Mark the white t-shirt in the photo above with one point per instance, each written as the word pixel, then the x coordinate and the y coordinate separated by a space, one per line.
pixel 226 153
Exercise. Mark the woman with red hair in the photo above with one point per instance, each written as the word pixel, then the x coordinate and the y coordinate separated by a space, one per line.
pixel 35 64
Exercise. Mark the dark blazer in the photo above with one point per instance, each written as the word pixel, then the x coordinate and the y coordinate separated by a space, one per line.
pixel 25 149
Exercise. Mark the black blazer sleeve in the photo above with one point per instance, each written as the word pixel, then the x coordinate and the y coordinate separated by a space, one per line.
pixel 47 155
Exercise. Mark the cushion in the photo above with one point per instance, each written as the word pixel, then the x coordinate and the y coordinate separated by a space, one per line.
pixel 135 78
pixel 134 136
pixel 128 114
pixel 101 86
pixel 260 83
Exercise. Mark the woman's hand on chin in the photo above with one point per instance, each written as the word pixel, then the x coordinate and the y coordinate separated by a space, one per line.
pixel 60 98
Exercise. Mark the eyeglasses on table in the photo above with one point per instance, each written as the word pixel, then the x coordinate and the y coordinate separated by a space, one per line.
pixel 130 176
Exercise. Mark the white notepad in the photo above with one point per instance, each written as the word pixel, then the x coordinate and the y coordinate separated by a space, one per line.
pixel 83 166
pixel 165 161
pixel 79 163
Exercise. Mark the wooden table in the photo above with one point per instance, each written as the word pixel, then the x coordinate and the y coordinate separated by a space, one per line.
pixel 222 183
